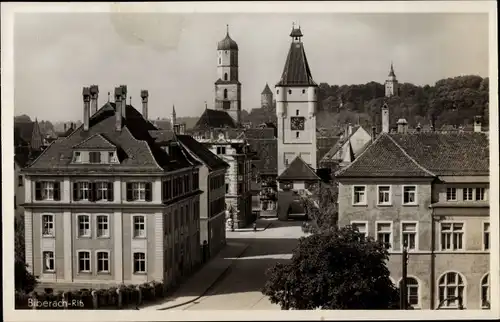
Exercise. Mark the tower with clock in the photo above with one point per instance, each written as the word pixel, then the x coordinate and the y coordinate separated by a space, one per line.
pixel 296 103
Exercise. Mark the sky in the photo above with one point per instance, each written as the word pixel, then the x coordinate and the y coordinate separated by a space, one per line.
pixel 174 55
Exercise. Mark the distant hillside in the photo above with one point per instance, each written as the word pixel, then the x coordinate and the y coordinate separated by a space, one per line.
pixel 451 101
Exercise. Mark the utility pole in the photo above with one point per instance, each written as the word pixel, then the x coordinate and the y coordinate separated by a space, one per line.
pixel 403 290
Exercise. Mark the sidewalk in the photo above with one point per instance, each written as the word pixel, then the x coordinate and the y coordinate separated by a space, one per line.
pixel 197 285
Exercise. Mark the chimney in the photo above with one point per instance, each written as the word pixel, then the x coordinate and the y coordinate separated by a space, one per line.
pixel 177 128
pixel 385 118
pixel 402 126
pixel 144 96
pixel 349 130
pixel 477 123
pixel 124 100
pixel 118 109
pixel 418 128
pixel 94 93
pixel 86 108
pixel 374 133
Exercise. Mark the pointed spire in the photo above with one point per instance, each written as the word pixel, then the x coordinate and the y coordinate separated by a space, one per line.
pixel 130 100
pixel 227 29
pixel 391 73
pixel 173 109
pixel 206 105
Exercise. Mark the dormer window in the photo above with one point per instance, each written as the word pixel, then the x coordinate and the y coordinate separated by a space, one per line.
pixel 112 157
pixel 77 157
pixel 95 157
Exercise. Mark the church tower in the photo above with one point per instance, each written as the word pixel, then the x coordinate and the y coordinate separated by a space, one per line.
pixel 266 98
pixel 227 86
pixel 296 103
pixel 391 84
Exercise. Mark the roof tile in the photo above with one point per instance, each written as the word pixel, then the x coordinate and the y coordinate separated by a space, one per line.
pixel 298 170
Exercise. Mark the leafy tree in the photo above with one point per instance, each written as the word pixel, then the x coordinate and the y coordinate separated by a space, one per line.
pixel 338 269
pixel 322 208
pixel 24 280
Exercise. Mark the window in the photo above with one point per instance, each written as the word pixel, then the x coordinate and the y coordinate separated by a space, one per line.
pixel 297 135
pixel 468 194
pixel 225 94
pixel 359 195
pixel 77 157
pixel 83 226
pixel 227 187
pixel 48 262
pixel 485 292
pixel 362 227
pixel 139 227
pixel 84 191
pixel 102 226
pixel 384 233
pixel 95 157
pixel 20 181
pixel 451 286
pixel 409 195
pixel 48 190
pixel 411 291
pixel 384 195
pixel 289 91
pixel 486 236
pixel 303 91
pixel 196 180
pixel 102 262
pixel 139 263
pixel 452 235
pixel 48 226
pixel 139 191
pixel 221 150
pixel 297 112
pixel 451 194
pixel 111 157
pixel 220 61
pixel 104 191
pixel 409 235
pixel 277 91
pixel 84 261
pixel 480 194
pixel 225 76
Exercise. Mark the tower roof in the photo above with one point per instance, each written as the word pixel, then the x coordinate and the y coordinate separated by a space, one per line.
pixel 296 71
pixel 391 73
pixel 227 43
pixel 267 90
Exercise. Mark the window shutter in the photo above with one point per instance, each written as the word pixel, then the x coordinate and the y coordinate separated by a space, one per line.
pixel 92 192
pixel 148 191
pixel 129 191
pixel 76 191
pixel 38 191
pixel 57 191
pixel 110 191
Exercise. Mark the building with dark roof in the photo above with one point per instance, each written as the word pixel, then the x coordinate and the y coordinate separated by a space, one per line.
pixel 428 191
pixel 27 133
pixel 116 201
pixel 212 200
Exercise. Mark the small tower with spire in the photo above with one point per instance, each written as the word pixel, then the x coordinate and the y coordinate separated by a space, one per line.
pixel 228 86
pixel 391 84
pixel 173 117
pixel 266 98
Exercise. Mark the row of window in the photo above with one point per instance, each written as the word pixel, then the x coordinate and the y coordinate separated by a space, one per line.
pixel 102 262
pixel 217 206
pixel 451 234
pixel 221 150
pixel 451 286
pixel 217 182
pixel 290 91
pixel 384 194
pixel 95 157
pixel 84 226
pixel 468 194
pixel 103 190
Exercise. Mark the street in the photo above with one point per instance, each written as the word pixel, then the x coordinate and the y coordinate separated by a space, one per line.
pixel 240 288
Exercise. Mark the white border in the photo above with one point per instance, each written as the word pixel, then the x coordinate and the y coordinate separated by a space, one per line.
pixel 413 204
pixel 390 249
pixel 132 224
pixel 364 222
pixel 264 7
pixel 481 289
pixel 53 226
pixel 52 271
pixel 366 195
pixel 482 235
pixel 78 271
pixel 97 262
pixel 134 273
pixel 96 225
pixel 78 236
pixel 390 195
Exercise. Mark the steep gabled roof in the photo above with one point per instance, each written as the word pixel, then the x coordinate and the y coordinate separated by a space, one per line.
pixel 458 153
pixel 96 141
pixel 212 161
pixel 267 90
pixel 384 158
pixel 214 119
pixel 137 149
pixel 296 71
pixel 298 170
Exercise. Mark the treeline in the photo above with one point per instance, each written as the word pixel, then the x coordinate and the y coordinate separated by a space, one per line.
pixel 452 101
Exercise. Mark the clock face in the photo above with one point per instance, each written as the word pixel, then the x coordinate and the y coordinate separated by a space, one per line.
pixel 297 123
